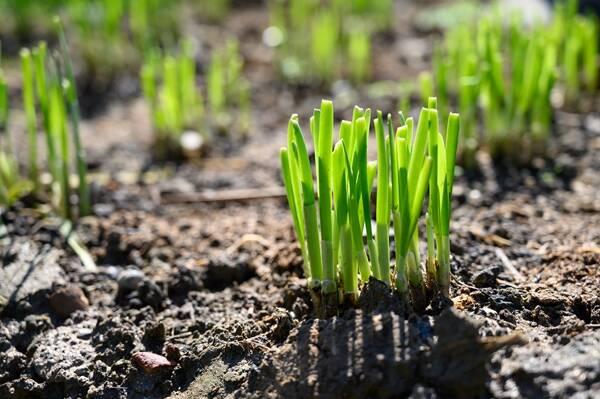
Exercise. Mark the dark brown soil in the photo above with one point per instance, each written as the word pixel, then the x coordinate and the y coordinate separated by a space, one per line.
pixel 217 289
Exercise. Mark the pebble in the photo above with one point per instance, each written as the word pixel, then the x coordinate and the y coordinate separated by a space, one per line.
pixel 592 123
pixel 484 278
pixel 129 279
pixel 173 352
pixel 111 271
pixel 150 362
pixel 68 299
pixel 104 210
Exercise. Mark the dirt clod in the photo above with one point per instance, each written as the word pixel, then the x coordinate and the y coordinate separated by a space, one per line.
pixel 68 299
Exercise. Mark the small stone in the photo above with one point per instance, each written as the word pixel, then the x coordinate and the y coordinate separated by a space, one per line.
pixel 151 294
pixel 592 123
pixel 68 299
pixel 129 279
pixel 104 210
pixel 546 298
pixel 191 143
pixel 508 316
pixel 173 352
pixel 484 278
pixel 155 332
pixel 111 271
pixel 150 362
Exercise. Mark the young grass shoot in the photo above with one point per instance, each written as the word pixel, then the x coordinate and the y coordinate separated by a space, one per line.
pixel 177 104
pixel 333 224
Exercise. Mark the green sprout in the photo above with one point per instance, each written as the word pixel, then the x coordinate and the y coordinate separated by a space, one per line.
pixel 177 104
pixel 12 186
pixel 30 114
pixel 109 37
pixel 411 171
pixel 330 222
pixel 504 74
pixel 3 103
pixel 49 87
pixel 425 85
pixel 359 55
pixel 70 93
pixel 331 238
pixel 214 10
pixel 226 87
pixel 325 41
pixel 443 153
pixel 580 57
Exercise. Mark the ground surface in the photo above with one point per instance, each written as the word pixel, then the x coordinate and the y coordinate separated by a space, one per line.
pixel 216 289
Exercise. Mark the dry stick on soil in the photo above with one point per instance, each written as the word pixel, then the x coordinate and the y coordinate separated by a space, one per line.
pixel 508 266
pixel 244 194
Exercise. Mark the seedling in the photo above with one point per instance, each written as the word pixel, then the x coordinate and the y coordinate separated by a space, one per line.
pixel 329 223
pixel 214 10
pixel 177 104
pixel 48 87
pixel 443 153
pixel 324 41
pixel 226 87
pixel 344 183
pixel 359 55
pixel 506 76
pixel 12 186
pixel 72 102
pixel 49 83
pixel 169 86
pixel 4 106
pixel 109 36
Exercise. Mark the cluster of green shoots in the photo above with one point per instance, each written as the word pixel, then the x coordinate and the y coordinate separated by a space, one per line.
pixel 326 40
pixel 110 35
pixel 177 104
pixel 505 75
pixel 330 222
pixel 12 186
pixel 213 10
pixel 577 38
pixel 51 105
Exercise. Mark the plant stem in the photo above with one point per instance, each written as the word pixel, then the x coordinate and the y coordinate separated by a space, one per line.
pixel 443 272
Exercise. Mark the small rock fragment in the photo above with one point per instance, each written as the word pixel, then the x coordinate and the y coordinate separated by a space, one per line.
pixel 484 278
pixel 149 293
pixel 173 352
pixel 150 362
pixel 155 333
pixel 192 143
pixel 68 299
pixel 129 279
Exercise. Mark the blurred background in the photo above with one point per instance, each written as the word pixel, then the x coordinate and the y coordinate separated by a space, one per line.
pixel 254 63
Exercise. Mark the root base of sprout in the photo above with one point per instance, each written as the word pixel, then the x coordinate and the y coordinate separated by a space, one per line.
pixel 418 297
pixel 329 307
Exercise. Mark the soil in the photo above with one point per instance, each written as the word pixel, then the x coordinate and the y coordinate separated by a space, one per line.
pixel 195 299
